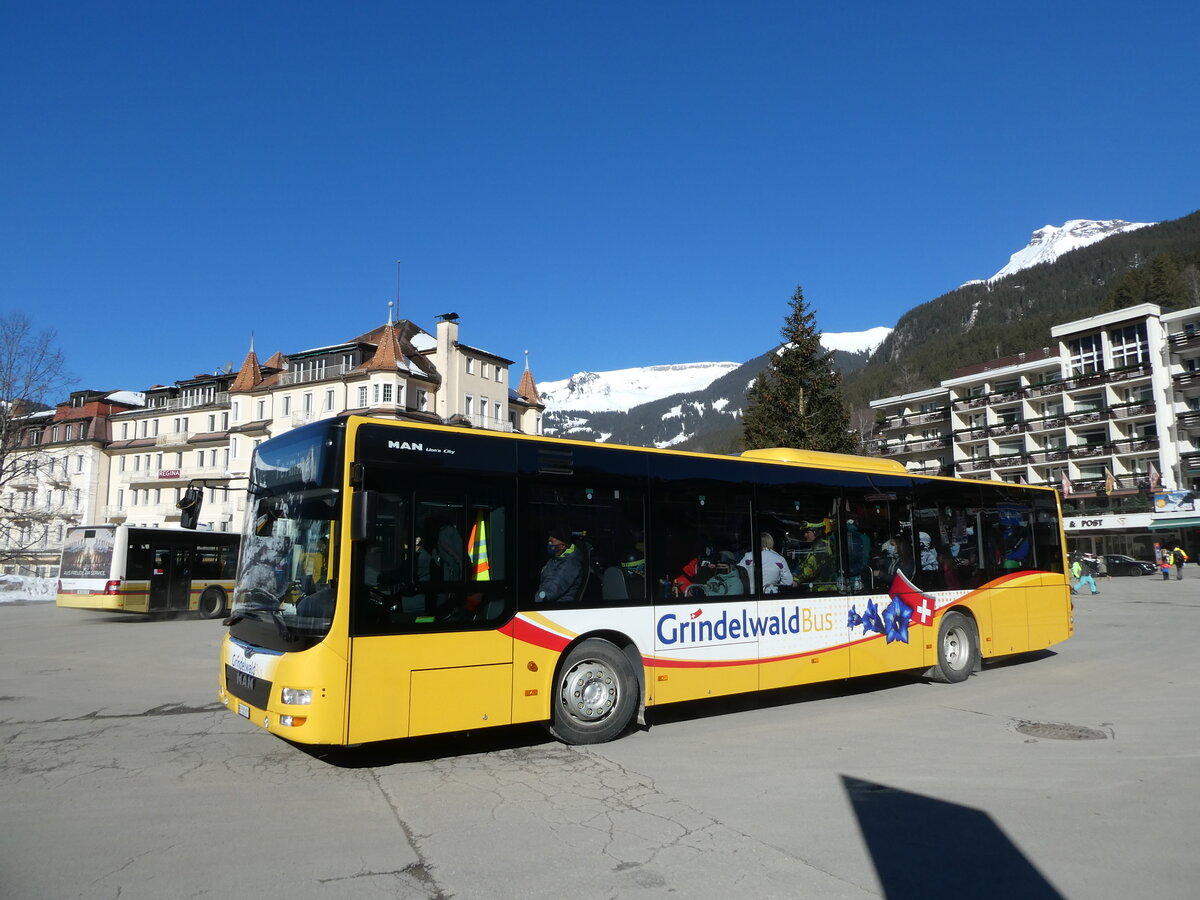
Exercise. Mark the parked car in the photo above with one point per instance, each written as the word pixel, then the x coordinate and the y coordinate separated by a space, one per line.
pixel 1120 564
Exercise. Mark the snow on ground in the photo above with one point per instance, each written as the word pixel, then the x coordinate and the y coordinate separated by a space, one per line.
pixel 855 341
pixel 27 589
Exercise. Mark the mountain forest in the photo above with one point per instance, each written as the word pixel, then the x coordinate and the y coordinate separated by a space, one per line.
pixel 975 323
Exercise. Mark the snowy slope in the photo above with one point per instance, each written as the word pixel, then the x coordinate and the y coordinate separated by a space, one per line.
pixel 1050 242
pixel 623 389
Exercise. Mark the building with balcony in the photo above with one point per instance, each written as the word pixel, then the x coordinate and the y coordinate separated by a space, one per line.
pixel 56 477
pixel 202 430
pixel 1109 414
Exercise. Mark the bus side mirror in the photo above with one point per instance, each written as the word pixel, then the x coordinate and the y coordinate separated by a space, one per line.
pixel 189 507
pixel 364 509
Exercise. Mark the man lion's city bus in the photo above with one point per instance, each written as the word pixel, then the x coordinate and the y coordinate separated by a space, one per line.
pixel 399 579
pixel 124 568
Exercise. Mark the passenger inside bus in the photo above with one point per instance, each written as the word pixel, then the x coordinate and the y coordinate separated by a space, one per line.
pixel 776 573
pixel 565 573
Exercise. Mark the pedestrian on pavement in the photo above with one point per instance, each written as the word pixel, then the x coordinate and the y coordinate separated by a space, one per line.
pixel 1081 576
pixel 1102 566
pixel 1165 565
pixel 1179 558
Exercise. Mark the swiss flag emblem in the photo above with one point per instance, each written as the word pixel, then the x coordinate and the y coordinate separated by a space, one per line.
pixel 922 605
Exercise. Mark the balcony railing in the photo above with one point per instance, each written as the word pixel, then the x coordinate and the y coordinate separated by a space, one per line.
pixel 1084 418
pixel 1130 410
pixel 310 374
pixel 1087 451
pixel 1184 340
pixel 1046 423
pixel 1142 445
pixel 1003 397
pixel 220 398
pixel 173 439
pixel 1189 420
pixel 1186 380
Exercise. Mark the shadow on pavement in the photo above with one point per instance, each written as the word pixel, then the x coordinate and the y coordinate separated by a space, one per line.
pixel 922 847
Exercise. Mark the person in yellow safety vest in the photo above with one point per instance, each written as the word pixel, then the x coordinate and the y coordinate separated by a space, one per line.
pixel 1178 558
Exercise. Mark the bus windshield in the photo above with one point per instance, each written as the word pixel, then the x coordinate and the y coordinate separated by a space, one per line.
pixel 284 597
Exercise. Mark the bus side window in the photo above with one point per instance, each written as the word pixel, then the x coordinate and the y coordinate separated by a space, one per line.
pixel 602 520
pixel 703 544
pixel 801 521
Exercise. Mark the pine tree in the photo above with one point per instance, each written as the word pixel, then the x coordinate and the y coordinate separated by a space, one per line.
pixel 797 400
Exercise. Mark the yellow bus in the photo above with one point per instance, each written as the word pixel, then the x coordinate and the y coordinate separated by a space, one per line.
pixel 124 568
pixel 399 579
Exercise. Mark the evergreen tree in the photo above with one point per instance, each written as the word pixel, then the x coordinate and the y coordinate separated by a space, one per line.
pixel 797 400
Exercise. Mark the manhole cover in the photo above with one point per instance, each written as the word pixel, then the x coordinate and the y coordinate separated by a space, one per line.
pixel 1057 732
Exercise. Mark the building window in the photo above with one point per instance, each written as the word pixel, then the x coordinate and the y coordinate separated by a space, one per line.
pixel 1087 354
pixel 387 393
pixel 362 397
pixel 124 431
pixel 1130 346
pixel 499 375
pixel 470 366
pixel 54 433
pixel 375 394
pixel 422 399
pixel 483 407
pixel 329 400
pixel 79 463
pixel 306 402
pixel 287 405
pixel 468 404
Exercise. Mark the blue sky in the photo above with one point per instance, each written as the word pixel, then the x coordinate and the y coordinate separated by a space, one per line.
pixel 604 185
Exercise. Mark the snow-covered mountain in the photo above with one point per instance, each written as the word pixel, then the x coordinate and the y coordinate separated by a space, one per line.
pixel 1050 242
pixel 623 389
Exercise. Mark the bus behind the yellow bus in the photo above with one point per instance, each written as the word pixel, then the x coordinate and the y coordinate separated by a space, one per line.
pixel 124 568
pixel 399 579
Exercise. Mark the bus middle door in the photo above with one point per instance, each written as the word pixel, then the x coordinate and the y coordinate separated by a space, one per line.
pixel 170 579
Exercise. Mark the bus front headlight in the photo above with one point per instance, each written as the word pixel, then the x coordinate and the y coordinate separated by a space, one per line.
pixel 296 696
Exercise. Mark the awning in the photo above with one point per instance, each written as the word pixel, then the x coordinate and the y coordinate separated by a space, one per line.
pixel 1165 524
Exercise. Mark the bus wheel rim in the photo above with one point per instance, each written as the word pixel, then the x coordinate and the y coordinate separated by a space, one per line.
pixel 590 691
pixel 954 648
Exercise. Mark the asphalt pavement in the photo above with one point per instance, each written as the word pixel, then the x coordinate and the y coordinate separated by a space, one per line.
pixel 1071 773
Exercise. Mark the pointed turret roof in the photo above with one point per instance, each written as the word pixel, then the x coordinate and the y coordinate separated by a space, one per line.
pixel 527 389
pixel 249 375
pixel 388 355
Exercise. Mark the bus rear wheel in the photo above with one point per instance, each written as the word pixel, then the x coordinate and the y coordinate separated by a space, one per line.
pixel 958 652
pixel 595 696
pixel 212 603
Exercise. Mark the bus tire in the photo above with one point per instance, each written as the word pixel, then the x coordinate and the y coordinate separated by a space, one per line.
pixel 212 603
pixel 958 653
pixel 595 694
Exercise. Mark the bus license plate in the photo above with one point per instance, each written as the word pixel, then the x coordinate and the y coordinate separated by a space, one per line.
pixel 243 710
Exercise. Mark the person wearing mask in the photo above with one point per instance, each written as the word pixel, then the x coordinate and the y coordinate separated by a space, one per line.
pixel 563 574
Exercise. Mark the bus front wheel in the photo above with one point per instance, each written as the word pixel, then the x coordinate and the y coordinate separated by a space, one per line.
pixel 957 649
pixel 595 696
pixel 212 603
